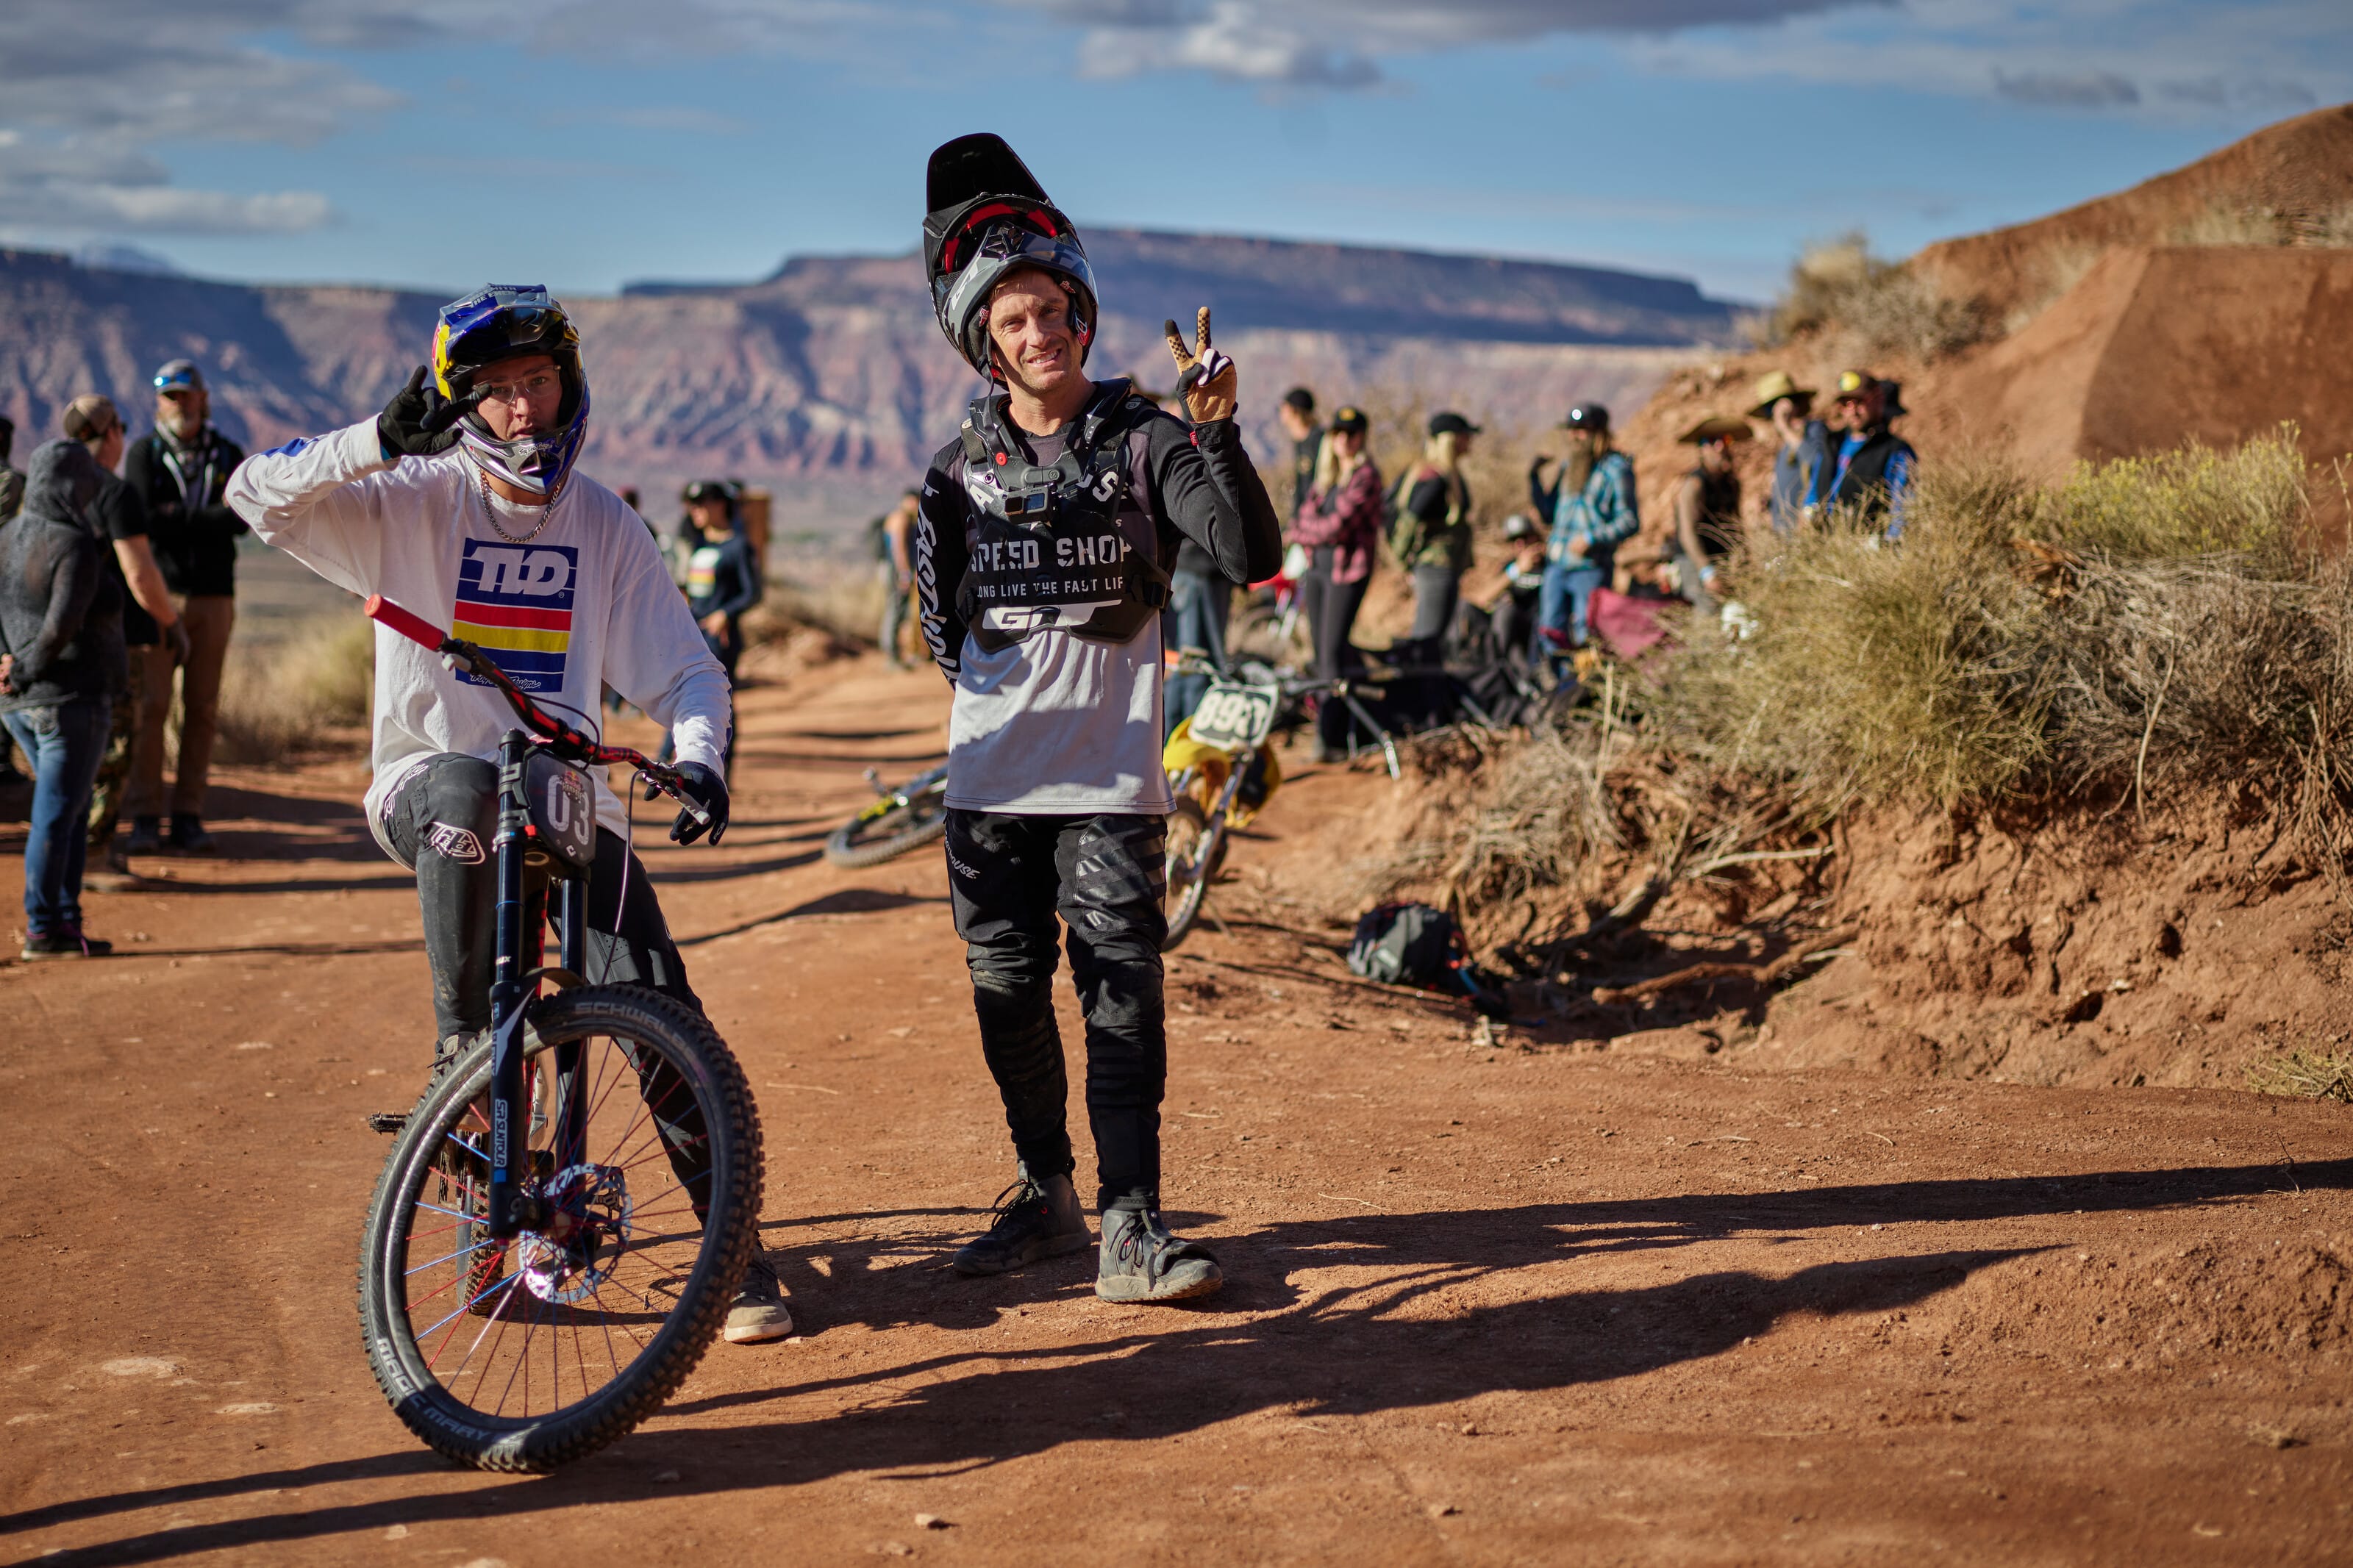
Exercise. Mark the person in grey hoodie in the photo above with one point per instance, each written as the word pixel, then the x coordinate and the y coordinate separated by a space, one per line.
pixel 61 632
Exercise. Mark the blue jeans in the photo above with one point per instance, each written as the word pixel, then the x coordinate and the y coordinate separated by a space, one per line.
pixel 64 744
pixel 1561 603
pixel 1196 618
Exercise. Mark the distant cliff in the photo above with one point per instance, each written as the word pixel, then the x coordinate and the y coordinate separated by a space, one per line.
pixel 828 379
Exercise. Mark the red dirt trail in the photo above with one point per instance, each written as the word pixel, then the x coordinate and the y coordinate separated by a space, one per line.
pixel 1488 1304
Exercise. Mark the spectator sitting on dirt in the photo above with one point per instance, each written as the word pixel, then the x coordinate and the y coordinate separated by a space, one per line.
pixel 1592 508
pixel 181 470
pixel 1707 509
pixel 1870 475
pixel 1642 572
pixel 1785 408
pixel 1339 527
pixel 895 564
pixel 1430 535
pixel 1297 417
pixel 151 623
pixel 61 632
pixel 1511 607
pixel 12 483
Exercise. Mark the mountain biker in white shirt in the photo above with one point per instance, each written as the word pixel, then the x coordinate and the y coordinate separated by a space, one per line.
pixel 459 502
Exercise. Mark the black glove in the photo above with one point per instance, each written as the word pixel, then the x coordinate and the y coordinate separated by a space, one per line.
pixel 175 637
pixel 708 790
pixel 420 421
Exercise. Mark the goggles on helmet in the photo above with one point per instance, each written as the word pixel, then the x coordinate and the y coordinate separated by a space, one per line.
pixel 961 298
pixel 505 321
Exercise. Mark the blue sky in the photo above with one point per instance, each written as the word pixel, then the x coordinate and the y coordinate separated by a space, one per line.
pixel 586 143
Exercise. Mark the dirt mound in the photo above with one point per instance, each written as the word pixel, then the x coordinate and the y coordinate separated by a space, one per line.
pixel 2298 173
pixel 2121 340
pixel 2146 1308
pixel 2150 349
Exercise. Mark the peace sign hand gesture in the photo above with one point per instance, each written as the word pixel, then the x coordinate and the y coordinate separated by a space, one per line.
pixel 1204 378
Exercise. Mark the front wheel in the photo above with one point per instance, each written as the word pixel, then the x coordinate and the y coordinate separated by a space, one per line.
pixel 889 828
pixel 644 1158
pixel 1196 849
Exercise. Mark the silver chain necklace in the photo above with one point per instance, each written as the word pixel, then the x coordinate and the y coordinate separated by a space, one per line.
pixel 547 513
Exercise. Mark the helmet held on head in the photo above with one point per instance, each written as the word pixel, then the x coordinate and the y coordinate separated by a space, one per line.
pixel 505 321
pixel 986 217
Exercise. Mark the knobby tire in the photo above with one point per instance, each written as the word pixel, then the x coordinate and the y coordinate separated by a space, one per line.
pixel 686 1043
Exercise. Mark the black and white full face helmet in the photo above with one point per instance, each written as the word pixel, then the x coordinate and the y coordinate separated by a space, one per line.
pixel 986 216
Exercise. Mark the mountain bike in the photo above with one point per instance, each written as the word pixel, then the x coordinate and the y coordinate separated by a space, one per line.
pixel 567 1212
pixel 900 819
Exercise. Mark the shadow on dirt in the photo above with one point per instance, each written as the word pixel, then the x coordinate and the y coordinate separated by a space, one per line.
pixel 1318 1350
pixel 844 902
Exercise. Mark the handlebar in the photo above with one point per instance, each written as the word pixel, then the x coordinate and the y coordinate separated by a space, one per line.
pixel 546 728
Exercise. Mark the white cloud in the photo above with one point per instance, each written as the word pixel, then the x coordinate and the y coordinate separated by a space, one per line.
pixel 2177 56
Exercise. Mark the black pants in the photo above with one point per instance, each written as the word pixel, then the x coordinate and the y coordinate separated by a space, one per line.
pixel 443 819
pixel 1331 615
pixel 1011 877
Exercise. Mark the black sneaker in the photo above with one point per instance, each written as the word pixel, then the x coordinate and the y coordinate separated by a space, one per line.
pixel 146 836
pixel 445 1053
pixel 188 835
pixel 758 1313
pixel 1033 1221
pixel 64 945
pixel 1142 1262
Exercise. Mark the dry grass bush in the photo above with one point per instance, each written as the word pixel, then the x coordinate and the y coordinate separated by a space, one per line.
pixel 2143 631
pixel 2158 620
pixel 283 699
pixel 2306 1075
pixel 1869 305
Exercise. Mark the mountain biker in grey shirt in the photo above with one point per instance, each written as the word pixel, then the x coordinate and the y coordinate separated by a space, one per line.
pixel 1042 553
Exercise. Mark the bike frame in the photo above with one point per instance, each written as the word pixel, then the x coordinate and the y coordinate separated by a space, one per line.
pixel 514 985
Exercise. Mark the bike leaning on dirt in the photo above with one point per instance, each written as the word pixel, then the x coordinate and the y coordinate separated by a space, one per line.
pixel 900 819
pixel 552 1247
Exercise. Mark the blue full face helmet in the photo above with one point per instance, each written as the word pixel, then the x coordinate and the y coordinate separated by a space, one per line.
pixel 507 321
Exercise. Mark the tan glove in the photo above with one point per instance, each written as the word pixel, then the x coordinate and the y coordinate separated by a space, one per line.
pixel 1204 378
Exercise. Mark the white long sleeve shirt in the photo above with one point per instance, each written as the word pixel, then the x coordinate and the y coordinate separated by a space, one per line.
pixel 587 602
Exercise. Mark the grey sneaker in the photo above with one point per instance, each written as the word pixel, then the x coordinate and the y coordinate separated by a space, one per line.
pixel 759 1313
pixel 1142 1262
pixel 1034 1220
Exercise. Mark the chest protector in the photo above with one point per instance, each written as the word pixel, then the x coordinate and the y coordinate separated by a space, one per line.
pixel 1064 547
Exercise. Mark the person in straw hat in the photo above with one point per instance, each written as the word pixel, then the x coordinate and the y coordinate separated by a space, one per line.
pixel 1783 410
pixel 1708 507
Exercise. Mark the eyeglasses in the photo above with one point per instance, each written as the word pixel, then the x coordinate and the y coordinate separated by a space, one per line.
pixel 531 388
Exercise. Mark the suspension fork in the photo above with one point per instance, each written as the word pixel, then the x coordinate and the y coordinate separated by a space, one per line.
pixel 509 1117
pixel 570 1135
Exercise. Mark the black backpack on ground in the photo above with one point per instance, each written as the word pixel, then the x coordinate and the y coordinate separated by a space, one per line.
pixel 1417 945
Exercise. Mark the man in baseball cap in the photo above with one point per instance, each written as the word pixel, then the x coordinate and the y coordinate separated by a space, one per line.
pixel 181 469
pixel 1592 510
pixel 1870 473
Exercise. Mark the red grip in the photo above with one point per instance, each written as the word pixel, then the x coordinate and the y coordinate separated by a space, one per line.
pixel 384 611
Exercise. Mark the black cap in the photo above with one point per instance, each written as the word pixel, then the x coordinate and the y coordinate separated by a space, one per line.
pixel 1587 416
pixel 1451 424
pixel 707 490
pixel 1302 399
pixel 1351 418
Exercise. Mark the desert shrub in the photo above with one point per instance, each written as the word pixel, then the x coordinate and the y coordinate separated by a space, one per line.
pixel 2252 501
pixel 2152 619
pixel 2306 1075
pixel 287 697
pixel 2222 225
pixel 1872 306
pixel 1874 670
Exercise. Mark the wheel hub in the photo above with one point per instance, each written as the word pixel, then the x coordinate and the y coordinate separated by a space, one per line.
pixel 582 1241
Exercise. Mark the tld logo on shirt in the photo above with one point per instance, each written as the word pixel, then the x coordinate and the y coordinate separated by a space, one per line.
pixel 514 603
